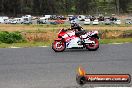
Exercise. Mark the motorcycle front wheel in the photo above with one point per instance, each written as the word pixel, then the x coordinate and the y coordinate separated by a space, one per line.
pixel 93 46
pixel 58 46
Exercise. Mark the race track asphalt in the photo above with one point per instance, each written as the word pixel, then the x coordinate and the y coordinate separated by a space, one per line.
pixel 43 68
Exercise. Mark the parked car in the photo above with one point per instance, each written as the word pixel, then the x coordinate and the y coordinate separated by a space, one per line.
pixel 19 20
pixel 1 21
pixel 14 21
pixel 118 21
pixel 61 17
pixel 74 21
pixel 72 17
pixel 60 21
pixel 87 22
pixel 3 18
pixel 34 18
pixel 53 17
pixel 47 16
pixel 128 21
pixel 42 20
pixel 27 19
pixel 96 22
pixel 101 18
pixel 81 17
pixel 8 21
pixel 107 22
pixel 53 22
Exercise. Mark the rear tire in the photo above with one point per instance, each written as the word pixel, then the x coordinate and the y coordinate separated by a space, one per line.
pixel 58 46
pixel 93 47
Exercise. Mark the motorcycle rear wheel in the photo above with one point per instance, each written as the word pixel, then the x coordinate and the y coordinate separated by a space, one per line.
pixel 93 47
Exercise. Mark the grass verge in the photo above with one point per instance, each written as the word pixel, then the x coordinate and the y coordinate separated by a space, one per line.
pixel 25 44
pixel 118 40
pixel 33 27
pixel 36 44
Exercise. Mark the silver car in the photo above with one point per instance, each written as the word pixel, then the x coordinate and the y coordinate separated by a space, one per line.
pixel 128 21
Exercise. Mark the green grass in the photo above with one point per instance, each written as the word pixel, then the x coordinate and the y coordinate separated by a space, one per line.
pixel 25 44
pixel 35 44
pixel 119 40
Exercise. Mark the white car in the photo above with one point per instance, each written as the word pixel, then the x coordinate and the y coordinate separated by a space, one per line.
pixel 42 20
pixel 27 19
pixel 74 21
pixel 3 18
pixel 8 21
pixel 14 21
pixel 96 22
pixel 87 22
pixel 118 21
pixel 81 17
pixel 1 21
pixel 19 20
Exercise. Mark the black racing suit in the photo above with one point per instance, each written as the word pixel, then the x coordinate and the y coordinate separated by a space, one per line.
pixel 78 31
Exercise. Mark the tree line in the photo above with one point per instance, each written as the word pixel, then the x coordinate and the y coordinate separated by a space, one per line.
pixel 41 7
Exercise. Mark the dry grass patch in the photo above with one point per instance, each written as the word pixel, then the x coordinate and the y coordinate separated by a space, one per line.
pixel 40 36
pixel 22 27
pixel 48 33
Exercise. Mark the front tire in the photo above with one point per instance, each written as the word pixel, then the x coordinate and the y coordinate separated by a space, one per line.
pixel 93 47
pixel 58 46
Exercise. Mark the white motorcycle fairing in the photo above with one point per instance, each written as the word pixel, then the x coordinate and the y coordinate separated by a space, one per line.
pixel 74 43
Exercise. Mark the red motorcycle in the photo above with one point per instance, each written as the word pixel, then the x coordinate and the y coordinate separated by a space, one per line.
pixel 69 40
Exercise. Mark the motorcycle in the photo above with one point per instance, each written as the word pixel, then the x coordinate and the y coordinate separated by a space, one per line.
pixel 69 40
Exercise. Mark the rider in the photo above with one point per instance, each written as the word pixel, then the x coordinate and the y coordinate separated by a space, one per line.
pixel 78 30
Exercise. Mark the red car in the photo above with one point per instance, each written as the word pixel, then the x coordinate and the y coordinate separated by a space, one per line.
pixel 60 21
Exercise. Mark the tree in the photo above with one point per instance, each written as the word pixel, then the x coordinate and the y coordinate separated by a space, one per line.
pixel 40 7
pixel 82 6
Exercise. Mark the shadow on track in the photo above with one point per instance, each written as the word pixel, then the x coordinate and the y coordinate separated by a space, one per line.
pixel 77 50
